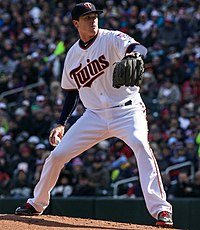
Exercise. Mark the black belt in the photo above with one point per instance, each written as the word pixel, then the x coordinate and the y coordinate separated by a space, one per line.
pixel 125 104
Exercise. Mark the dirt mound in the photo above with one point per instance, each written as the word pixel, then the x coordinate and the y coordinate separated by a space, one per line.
pixel 13 222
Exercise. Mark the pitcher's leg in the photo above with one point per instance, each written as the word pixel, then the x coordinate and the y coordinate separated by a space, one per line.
pixel 150 179
pixel 135 134
pixel 85 133
pixel 48 179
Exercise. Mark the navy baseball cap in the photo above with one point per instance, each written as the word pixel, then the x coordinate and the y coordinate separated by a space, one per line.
pixel 83 9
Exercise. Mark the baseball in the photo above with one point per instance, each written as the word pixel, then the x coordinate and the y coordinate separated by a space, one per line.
pixel 57 140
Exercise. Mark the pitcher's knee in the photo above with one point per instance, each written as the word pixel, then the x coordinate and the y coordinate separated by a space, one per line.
pixel 57 157
pixel 139 145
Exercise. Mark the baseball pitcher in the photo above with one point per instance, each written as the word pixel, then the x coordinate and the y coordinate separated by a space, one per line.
pixel 105 69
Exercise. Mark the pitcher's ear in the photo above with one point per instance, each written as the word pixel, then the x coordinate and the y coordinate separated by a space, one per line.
pixel 75 23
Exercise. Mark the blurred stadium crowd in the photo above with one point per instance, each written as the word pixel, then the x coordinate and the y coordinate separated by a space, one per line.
pixel 35 36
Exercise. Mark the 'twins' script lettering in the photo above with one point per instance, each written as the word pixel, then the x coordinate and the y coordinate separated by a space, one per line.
pixel 85 76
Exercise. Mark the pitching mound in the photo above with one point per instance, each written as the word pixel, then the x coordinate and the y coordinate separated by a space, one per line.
pixel 13 222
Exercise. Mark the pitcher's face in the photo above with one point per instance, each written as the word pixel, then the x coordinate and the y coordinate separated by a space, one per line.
pixel 87 26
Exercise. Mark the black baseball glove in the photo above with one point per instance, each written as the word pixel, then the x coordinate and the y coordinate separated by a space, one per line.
pixel 129 71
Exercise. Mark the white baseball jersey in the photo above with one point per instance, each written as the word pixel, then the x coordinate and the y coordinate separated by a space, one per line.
pixel 90 70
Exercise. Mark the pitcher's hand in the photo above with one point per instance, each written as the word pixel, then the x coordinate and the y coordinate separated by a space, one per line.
pixel 56 135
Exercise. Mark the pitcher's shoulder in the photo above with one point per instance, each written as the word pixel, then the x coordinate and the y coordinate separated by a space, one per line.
pixel 107 31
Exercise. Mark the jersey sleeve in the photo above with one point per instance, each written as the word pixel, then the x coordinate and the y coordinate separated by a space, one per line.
pixel 122 41
pixel 66 81
pixel 70 103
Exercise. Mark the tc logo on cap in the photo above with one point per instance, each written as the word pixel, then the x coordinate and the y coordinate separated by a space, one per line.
pixel 83 9
pixel 88 5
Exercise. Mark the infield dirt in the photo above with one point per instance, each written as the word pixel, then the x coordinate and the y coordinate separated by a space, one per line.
pixel 13 222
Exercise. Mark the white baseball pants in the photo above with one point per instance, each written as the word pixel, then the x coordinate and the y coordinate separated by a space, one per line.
pixel 127 123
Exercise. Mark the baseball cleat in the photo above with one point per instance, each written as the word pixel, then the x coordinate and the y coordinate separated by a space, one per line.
pixel 164 220
pixel 26 210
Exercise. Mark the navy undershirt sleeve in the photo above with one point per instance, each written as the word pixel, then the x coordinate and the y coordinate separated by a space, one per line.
pixel 137 48
pixel 70 103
